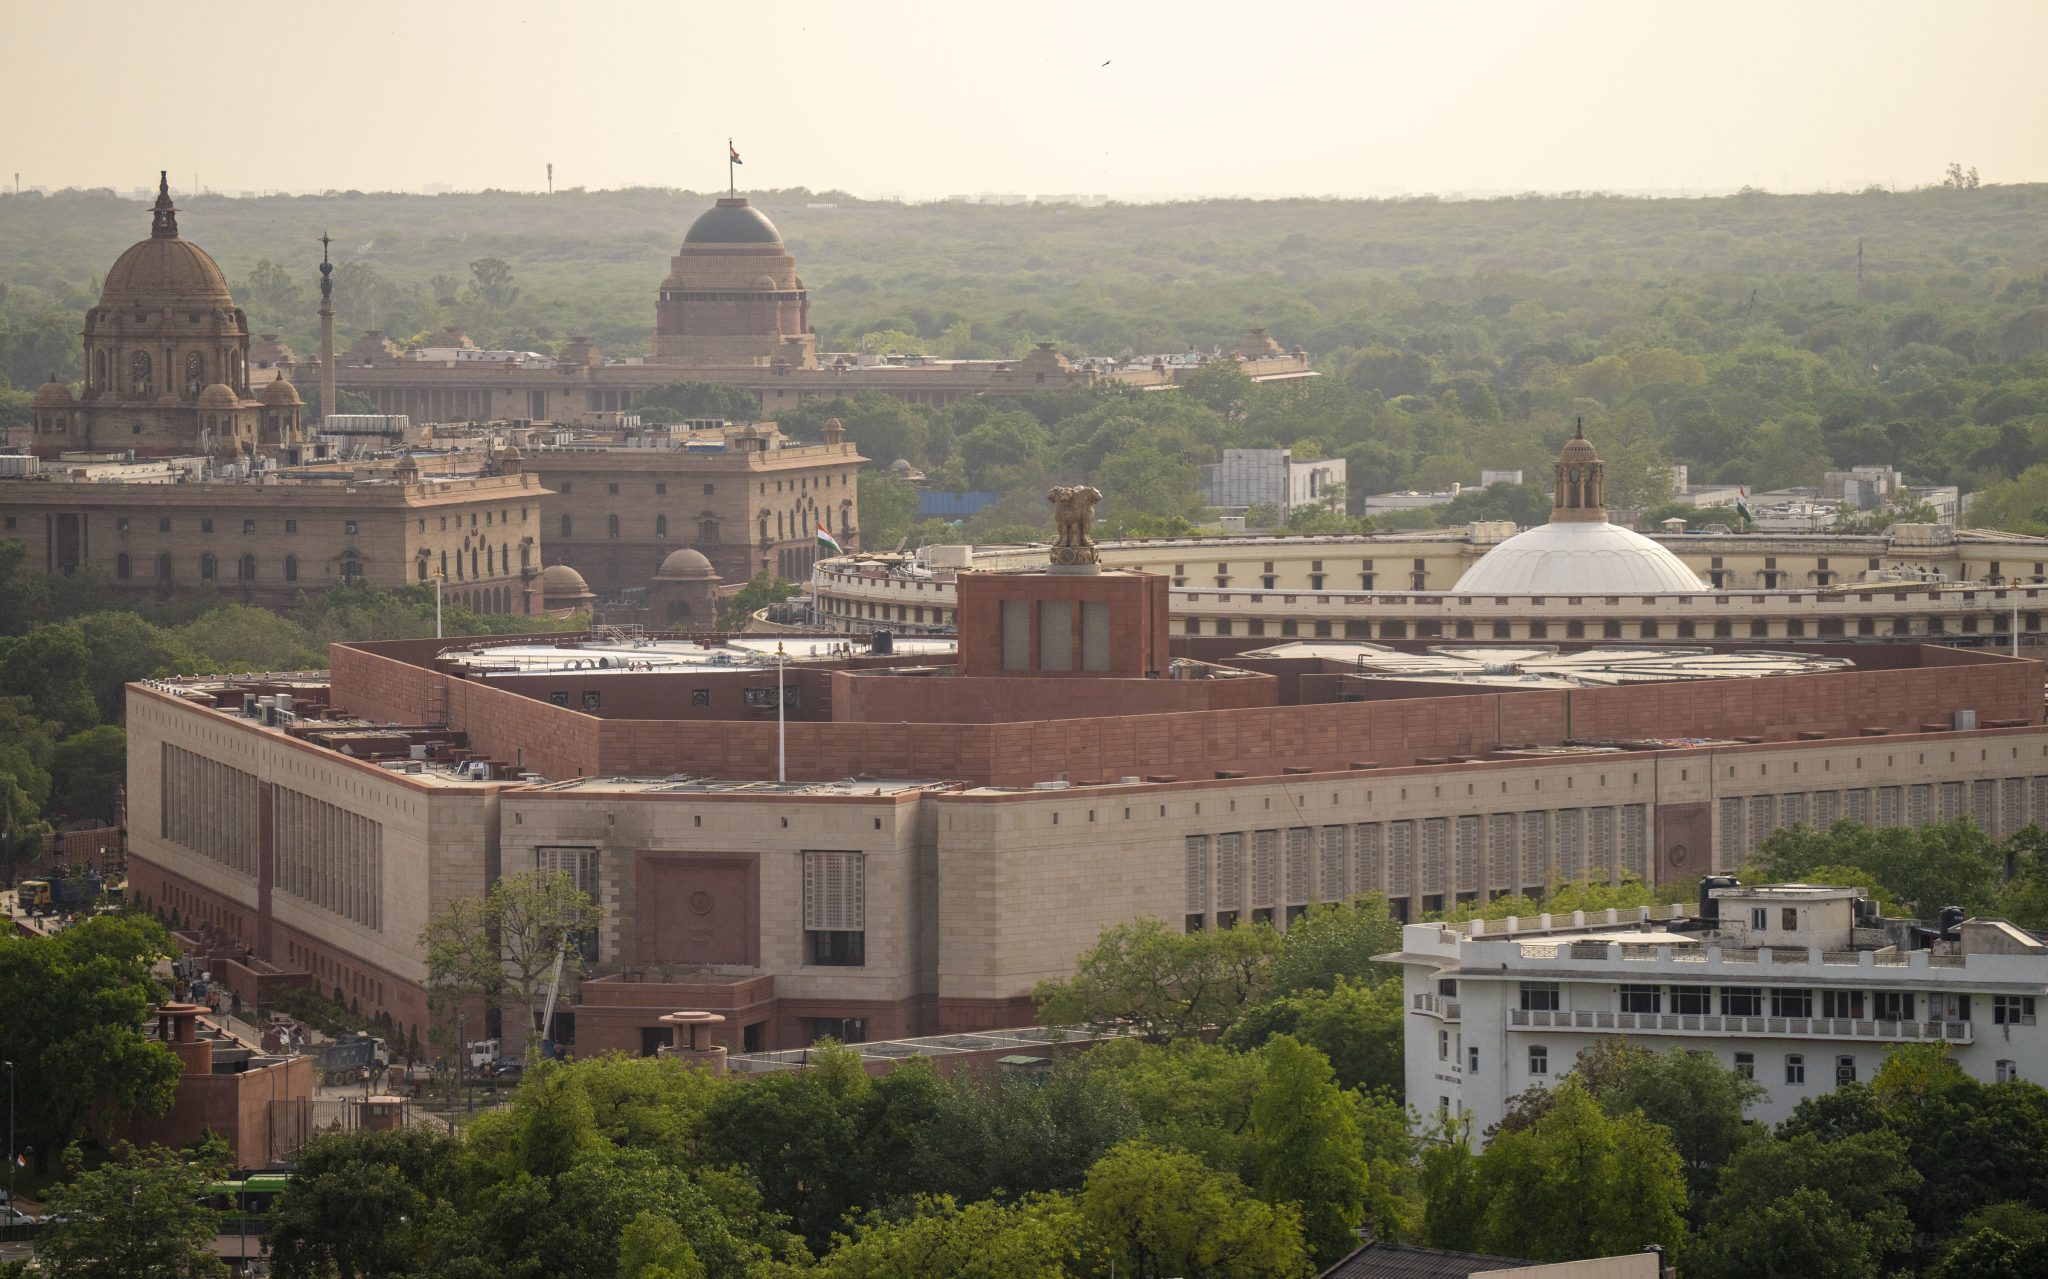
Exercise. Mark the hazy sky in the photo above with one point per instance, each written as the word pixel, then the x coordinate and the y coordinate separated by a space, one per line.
pixel 920 100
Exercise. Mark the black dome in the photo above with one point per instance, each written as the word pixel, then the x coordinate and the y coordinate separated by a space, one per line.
pixel 733 222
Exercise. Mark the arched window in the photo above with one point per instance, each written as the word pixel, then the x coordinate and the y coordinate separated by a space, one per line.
pixel 238 376
pixel 707 532
pixel 163 568
pixel 99 370
pixel 139 380
pixel 351 569
pixel 459 575
pixel 490 560
pixel 195 373
pixel 247 570
pixel 209 567
pixel 291 568
pixel 661 526
pixel 423 568
pixel 611 526
pixel 122 566
pixel 444 565
pixel 566 526
pixel 472 561
pixel 505 555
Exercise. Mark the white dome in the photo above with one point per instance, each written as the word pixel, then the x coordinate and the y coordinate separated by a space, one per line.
pixel 1578 558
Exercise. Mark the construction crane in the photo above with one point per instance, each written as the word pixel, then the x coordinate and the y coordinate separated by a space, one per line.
pixel 547 1016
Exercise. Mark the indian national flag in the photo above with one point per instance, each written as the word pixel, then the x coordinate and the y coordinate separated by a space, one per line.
pixel 1742 506
pixel 733 151
pixel 825 538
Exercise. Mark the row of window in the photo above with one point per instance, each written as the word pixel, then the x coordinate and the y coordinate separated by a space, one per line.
pixel 1744 1064
pixel 163 525
pixel 490 517
pixel 1784 1001
pixel 210 568
pixel 1645 628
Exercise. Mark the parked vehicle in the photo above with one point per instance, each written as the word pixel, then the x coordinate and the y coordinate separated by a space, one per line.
pixel 484 1053
pixel 60 893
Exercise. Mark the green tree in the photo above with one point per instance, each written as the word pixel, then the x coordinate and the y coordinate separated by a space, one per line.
pixel 1581 1183
pixel 76 1005
pixel 491 280
pixel 358 1204
pixel 140 1215
pixel 688 401
pixel 888 509
pixel 1689 1094
pixel 1038 1237
pixel 1011 1134
pixel 1305 1147
pixel 1357 1026
pixel 1942 864
pixel 1807 1233
pixel 503 950
pixel 1163 984
pixel 762 589
pixel 1865 1177
pixel 1333 941
pixel 653 1247
pixel 48 666
pixel 86 773
pixel 1157 1214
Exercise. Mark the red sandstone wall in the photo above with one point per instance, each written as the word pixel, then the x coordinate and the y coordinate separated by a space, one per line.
pixel 983 700
pixel 1138 639
pixel 567 743
pixel 1835 704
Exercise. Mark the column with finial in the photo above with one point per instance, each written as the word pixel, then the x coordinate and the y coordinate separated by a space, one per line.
pixel 327 404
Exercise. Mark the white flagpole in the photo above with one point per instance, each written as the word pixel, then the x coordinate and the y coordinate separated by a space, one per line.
pixel 781 722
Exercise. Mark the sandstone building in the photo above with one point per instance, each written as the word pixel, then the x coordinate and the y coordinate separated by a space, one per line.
pixel 734 311
pixel 166 362
pixel 267 539
pixel 924 837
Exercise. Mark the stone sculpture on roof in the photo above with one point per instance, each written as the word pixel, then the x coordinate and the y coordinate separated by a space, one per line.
pixel 1073 513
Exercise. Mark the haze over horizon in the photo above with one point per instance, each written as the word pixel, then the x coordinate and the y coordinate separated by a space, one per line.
pixel 1353 100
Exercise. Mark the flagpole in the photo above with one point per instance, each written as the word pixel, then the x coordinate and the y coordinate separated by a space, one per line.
pixel 732 183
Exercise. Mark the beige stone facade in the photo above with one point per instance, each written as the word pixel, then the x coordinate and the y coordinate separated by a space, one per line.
pixel 1916 582
pixel 615 514
pixel 839 904
pixel 266 542
pixel 322 863
pixel 166 362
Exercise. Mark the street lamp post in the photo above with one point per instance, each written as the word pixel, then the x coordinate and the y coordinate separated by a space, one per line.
pixel 10 1132
pixel 781 729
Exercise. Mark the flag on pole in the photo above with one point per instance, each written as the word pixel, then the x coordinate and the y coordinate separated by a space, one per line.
pixel 734 152
pixel 826 539
pixel 20 1162
pixel 1742 506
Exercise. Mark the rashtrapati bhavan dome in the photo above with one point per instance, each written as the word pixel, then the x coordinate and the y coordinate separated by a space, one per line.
pixel 734 311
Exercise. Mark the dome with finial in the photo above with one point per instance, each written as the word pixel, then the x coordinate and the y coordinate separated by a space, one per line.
pixel 1578 552
pixel 52 395
pixel 219 396
pixel 559 582
pixel 686 563
pixel 165 270
pixel 733 221
pixel 279 393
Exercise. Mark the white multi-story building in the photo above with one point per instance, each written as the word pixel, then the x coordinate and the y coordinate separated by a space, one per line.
pixel 1802 987
pixel 1270 477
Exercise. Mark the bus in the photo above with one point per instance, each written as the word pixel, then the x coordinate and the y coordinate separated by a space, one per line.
pixel 245 1204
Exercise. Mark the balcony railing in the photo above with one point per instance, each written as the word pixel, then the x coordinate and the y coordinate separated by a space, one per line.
pixel 1437 1006
pixel 1950 1032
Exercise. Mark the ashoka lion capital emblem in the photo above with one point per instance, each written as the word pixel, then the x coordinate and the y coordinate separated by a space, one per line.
pixel 1073 513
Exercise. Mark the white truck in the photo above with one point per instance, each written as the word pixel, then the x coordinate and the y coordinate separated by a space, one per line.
pixel 483 1054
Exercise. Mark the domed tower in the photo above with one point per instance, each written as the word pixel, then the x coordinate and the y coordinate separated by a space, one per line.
pixel 166 336
pixel 1580 495
pixel 733 297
